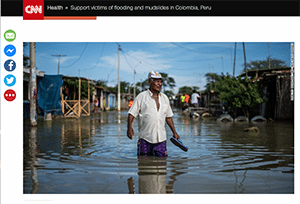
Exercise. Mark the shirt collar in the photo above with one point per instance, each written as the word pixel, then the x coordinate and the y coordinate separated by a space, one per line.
pixel 151 94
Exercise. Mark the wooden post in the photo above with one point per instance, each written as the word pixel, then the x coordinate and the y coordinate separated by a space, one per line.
pixel 89 106
pixel 33 88
pixel 79 97
pixel 62 101
pixel 119 85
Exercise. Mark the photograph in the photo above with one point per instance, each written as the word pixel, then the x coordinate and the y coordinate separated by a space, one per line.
pixel 158 118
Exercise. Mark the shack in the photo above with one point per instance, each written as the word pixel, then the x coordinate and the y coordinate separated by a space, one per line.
pixel 106 98
pixel 276 85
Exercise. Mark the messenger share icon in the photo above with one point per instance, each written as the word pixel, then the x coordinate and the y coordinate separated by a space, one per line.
pixel 10 65
pixel 10 50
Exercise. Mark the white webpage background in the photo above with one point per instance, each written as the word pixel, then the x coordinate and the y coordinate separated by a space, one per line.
pixel 127 29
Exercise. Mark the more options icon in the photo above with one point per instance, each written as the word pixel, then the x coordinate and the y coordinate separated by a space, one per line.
pixel 10 95
pixel 10 65
pixel 10 35
pixel 10 50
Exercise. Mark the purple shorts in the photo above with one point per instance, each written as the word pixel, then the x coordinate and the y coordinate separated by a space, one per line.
pixel 148 149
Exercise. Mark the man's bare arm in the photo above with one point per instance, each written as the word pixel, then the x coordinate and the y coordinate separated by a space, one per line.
pixel 171 125
pixel 130 131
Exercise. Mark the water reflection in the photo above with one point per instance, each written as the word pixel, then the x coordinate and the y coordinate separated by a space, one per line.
pixel 33 160
pixel 95 154
pixel 152 175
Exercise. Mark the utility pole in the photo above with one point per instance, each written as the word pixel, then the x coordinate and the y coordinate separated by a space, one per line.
pixel 58 61
pixel 269 58
pixel 134 85
pixel 222 64
pixel 234 58
pixel 33 89
pixel 245 60
pixel 119 85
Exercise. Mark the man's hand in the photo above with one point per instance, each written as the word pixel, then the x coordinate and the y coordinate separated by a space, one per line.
pixel 130 132
pixel 176 136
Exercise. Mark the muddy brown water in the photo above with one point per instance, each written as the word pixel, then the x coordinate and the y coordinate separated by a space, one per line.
pixel 92 155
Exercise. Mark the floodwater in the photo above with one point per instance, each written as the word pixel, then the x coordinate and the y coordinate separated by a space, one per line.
pixel 92 155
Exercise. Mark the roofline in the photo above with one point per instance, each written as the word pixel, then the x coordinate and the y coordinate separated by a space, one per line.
pixel 253 72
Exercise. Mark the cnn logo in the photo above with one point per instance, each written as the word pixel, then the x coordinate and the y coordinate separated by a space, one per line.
pixel 34 9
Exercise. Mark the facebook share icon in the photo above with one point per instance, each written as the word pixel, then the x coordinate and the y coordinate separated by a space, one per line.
pixel 10 65
pixel 10 50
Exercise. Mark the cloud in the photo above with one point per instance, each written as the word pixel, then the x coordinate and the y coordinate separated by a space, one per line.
pixel 137 60
pixel 194 79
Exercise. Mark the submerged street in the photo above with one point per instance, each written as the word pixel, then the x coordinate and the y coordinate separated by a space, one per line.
pixel 92 155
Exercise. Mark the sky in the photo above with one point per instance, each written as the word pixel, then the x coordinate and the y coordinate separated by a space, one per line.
pixel 186 62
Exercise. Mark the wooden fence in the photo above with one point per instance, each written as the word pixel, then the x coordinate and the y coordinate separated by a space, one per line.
pixel 78 107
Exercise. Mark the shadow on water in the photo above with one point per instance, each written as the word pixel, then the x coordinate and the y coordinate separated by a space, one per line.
pixel 93 155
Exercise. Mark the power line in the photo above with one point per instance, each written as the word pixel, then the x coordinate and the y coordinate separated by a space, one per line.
pixel 186 48
pixel 78 58
pixel 198 51
pixel 97 61
pixel 126 59
pixel 144 62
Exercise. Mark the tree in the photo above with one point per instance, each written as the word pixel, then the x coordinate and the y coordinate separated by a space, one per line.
pixel 168 82
pixel 101 83
pixel 74 86
pixel 264 64
pixel 186 89
pixel 239 92
pixel 212 80
pixel 123 87
pixel 169 93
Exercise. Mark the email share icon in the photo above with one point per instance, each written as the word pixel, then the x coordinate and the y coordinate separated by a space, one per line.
pixel 10 35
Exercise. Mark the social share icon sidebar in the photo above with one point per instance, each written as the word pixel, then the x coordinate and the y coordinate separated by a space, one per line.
pixel 9 65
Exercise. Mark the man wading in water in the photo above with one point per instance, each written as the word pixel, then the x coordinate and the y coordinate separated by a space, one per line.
pixel 154 110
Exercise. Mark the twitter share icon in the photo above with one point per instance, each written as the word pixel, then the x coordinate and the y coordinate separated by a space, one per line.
pixel 10 80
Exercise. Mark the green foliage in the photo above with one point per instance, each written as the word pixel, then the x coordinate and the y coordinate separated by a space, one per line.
pixel 264 64
pixel 124 87
pixel 167 81
pixel 186 90
pixel 74 85
pixel 239 92
pixel 170 94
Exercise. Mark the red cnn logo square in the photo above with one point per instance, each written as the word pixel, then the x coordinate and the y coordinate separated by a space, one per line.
pixel 33 9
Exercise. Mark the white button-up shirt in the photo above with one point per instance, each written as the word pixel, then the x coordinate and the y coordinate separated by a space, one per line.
pixel 152 121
